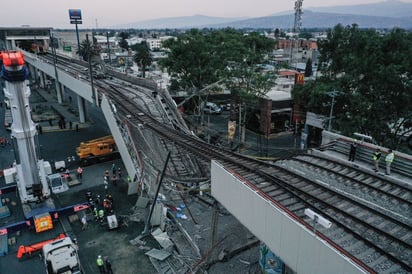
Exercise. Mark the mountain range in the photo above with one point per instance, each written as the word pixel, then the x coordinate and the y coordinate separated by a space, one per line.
pixel 382 15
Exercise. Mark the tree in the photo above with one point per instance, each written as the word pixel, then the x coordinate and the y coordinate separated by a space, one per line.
pixel 199 58
pixel 123 42
pixel 87 49
pixel 308 68
pixel 142 56
pixel 305 35
pixel 372 73
pixel 192 61
pixel 277 33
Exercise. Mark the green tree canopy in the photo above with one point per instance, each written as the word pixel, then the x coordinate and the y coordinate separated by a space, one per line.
pixel 143 58
pixel 372 73
pixel 191 61
pixel 123 42
pixel 87 49
pixel 199 58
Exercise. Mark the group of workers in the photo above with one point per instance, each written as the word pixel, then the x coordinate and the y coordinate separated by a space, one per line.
pixel 100 208
pixel 376 156
pixel 388 160
pixel 104 266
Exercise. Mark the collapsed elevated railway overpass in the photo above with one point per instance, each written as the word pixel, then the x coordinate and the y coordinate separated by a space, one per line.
pixel 270 200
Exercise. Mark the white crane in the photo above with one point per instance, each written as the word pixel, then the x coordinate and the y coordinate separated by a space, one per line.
pixel 30 171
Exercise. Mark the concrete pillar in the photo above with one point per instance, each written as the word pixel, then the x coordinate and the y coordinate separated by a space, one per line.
pixel 81 104
pixel 58 91
pixel 42 79
pixel 35 74
pixel 13 44
pixel 32 73
pixel 63 92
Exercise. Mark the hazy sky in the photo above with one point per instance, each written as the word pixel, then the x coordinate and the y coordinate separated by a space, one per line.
pixel 54 13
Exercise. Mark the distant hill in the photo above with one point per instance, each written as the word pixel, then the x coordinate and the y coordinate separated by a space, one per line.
pixel 321 20
pixel 179 22
pixel 387 14
pixel 389 8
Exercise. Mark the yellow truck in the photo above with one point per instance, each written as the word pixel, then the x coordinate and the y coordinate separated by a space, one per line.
pixel 97 150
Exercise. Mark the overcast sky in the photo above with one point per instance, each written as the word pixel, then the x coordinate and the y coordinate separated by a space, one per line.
pixel 105 13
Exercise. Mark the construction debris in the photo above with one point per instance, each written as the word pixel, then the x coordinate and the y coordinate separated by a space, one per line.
pixel 163 239
pixel 137 241
pixel 160 255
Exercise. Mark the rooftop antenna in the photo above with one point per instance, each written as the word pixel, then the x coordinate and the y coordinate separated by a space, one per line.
pixel 296 28
pixel 96 24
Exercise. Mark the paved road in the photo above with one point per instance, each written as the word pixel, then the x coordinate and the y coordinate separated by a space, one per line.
pixel 215 127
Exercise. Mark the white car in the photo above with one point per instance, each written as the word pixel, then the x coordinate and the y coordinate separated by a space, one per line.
pixel 212 108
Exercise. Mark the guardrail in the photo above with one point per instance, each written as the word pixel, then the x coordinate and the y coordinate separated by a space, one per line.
pixel 364 153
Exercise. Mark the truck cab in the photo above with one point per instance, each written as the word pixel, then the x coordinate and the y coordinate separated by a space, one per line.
pixel 56 183
pixel 61 256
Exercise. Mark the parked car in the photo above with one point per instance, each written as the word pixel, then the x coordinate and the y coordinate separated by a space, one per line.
pixel 211 108
pixel 225 107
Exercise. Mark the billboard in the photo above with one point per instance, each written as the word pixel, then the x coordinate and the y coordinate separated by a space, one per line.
pixel 75 15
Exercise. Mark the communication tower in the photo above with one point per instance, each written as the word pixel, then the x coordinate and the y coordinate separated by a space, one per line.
pixel 296 30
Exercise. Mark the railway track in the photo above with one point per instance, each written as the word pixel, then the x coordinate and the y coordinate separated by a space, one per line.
pixel 184 166
pixel 377 240
pixel 391 198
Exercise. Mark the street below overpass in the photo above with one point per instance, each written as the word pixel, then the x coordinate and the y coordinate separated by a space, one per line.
pixel 214 130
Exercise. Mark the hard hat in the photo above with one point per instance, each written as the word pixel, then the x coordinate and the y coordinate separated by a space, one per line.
pixel 99 256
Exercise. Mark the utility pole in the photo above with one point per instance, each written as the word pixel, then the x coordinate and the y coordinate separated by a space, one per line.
pixel 332 94
pixel 90 68
pixel 56 75
pixel 108 47
pixel 240 126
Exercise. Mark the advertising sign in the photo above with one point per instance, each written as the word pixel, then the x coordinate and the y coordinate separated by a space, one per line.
pixel 315 120
pixel 231 128
pixel 299 79
pixel 75 14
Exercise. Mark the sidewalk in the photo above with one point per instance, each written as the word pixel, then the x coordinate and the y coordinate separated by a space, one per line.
pixel 49 113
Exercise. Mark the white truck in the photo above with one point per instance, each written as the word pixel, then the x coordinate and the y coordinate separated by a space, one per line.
pixel 61 257
pixel 56 183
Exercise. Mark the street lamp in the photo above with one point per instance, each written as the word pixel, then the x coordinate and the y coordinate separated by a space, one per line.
pixel 90 67
pixel 317 219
